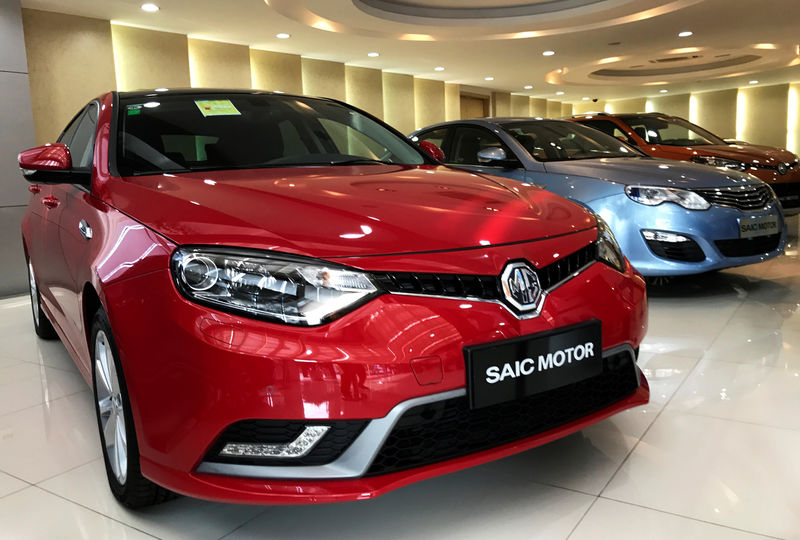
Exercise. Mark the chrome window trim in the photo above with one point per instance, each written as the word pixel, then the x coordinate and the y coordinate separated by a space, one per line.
pixel 358 458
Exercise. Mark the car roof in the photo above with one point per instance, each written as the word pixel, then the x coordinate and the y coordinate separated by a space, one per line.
pixel 490 121
pixel 621 116
pixel 151 92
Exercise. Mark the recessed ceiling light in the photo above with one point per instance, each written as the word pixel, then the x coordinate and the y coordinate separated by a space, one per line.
pixel 548 53
pixel 283 35
pixel 585 98
pixel 663 90
pixel 438 68
pixel 528 87
pixel 488 78
pixel 685 33
pixel 150 8
pixel 559 93
pixel 753 82
pixel 373 54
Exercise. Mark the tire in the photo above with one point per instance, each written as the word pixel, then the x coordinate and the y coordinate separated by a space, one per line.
pixel 41 324
pixel 115 422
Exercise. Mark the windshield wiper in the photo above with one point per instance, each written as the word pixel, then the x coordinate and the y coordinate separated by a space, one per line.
pixel 359 161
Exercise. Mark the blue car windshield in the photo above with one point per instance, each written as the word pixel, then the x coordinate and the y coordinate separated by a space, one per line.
pixel 565 141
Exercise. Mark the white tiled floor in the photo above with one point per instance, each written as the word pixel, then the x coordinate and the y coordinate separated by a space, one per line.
pixel 715 455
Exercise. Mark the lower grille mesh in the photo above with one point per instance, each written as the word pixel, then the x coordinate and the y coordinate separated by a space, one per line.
pixel 746 247
pixel 449 429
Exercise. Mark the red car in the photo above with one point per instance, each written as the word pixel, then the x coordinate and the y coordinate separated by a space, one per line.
pixel 279 299
pixel 671 137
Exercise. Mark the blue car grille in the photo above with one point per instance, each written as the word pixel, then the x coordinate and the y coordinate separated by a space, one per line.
pixel 740 197
pixel 747 247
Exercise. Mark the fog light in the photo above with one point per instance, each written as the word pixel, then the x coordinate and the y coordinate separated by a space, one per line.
pixel 298 448
pixel 661 236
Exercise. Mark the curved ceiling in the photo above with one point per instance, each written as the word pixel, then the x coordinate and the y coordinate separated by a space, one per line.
pixel 607 49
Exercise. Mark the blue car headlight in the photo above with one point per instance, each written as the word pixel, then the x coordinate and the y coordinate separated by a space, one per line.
pixel 271 286
pixel 608 250
pixel 654 195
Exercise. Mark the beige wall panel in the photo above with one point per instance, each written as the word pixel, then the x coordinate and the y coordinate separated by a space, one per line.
pixel 398 101
pixel 673 105
pixel 520 105
pixel 324 79
pixel 70 61
pixel 538 107
pixel 149 59
pixel 219 65
pixel 428 102
pixel 553 109
pixel 473 106
pixel 761 113
pixel 566 109
pixel 501 104
pixel 625 105
pixel 452 101
pixel 276 71
pixel 793 119
pixel 716 112
pixel 364 89
pixel 583 107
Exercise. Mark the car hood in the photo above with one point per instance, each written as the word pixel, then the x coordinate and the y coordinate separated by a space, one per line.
pixel 748 153
pixel 346 210
pixel 652 172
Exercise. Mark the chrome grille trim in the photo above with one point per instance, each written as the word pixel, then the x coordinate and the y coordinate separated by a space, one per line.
pixel 749 197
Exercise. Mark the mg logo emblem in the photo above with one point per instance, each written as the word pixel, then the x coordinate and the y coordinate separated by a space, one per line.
pixel 521 287
pixel 783 168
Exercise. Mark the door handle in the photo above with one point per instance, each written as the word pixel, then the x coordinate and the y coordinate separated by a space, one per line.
pixel 50 202
pixel 85 230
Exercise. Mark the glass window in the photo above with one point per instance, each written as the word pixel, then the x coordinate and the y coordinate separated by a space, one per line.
pixel 179 133
pixel 435 136
pixel 608 127
pixel 670 131
pixel 468 141
pixel 81 145
pixel 548 140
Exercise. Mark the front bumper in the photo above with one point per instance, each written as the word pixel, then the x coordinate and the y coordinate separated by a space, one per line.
pixel 192 372
pixel 714 231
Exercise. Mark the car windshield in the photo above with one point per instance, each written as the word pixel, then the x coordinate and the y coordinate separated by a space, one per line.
pixel 670 131
pixel 564 141
pixel 199 132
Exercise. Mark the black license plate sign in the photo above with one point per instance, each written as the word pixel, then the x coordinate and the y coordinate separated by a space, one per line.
pixel 519 367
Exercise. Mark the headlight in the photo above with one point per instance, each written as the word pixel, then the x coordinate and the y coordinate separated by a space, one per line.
pixel 607 248
pixel 280 288
pixel 715 161
pixel 653 196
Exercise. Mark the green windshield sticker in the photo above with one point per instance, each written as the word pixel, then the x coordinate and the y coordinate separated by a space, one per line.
pixel 134 109
pixel 217 107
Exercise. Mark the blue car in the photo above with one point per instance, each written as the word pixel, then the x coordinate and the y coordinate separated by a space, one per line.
pixel 670 218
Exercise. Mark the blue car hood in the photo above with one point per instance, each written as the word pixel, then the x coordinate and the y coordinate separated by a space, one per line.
pixel 651 172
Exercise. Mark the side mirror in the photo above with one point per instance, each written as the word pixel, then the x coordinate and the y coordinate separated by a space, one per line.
pixel 50 164
pixel 488 155
pixel 432 150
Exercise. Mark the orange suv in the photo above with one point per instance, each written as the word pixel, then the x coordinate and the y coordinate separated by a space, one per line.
pixel 671 137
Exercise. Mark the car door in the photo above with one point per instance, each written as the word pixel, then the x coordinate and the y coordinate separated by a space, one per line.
pixel 69 230
pixel 465 141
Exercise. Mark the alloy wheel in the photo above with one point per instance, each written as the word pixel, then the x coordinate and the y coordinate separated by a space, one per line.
pixel 111 407
pixel 34 294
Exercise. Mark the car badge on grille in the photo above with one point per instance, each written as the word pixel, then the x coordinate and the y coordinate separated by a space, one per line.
pixel 783 168
pixel 521 287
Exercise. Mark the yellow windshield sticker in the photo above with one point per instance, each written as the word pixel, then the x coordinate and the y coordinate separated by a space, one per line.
pixel 217 107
